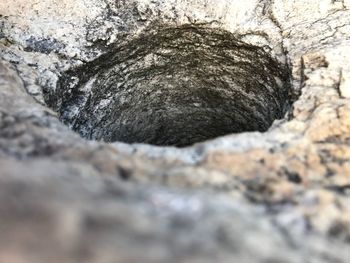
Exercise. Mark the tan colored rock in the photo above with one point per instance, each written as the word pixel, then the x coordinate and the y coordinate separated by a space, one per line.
pixel 67 199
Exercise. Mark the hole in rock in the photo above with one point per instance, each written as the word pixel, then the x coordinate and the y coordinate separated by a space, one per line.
pixel 174 86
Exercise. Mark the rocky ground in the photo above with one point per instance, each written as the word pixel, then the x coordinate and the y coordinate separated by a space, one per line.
pixel 282 195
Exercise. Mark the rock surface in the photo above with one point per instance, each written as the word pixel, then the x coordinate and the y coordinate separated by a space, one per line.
pixel 282 195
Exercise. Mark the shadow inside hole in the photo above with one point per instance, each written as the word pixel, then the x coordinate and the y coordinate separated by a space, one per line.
pixel 174 86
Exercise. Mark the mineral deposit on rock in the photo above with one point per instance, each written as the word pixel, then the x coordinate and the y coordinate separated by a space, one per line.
pixel 175 131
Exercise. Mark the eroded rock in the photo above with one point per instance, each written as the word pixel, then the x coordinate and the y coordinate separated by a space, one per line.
pixel 174 86
pixel 174 73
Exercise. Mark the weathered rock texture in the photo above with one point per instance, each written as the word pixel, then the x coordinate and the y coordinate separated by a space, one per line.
pixel 174 73
pixel 174 86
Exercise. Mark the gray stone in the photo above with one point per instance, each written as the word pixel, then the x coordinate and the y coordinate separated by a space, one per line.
pixel 257 91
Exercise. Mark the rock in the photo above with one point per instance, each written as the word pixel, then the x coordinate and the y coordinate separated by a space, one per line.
pixel 345 85
pixel 181 85
pixel 95 95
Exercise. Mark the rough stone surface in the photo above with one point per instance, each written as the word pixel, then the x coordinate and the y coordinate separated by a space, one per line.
pixel 281 195
pixel 174 86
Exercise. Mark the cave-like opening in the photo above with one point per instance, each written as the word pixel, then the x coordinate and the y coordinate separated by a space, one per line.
pixel 174 86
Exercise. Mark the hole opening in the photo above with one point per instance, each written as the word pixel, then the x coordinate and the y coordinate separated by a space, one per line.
pixel 174 86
